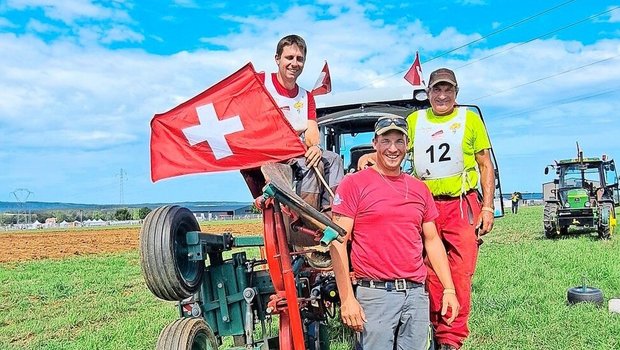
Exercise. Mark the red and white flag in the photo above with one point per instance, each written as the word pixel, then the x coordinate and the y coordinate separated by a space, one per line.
pixel 323 84
pixel 235 124
pixel 414 74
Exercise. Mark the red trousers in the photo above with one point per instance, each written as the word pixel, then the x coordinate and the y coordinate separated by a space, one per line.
pixel 458 233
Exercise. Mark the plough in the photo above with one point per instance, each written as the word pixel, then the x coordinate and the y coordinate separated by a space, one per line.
pixel 219 297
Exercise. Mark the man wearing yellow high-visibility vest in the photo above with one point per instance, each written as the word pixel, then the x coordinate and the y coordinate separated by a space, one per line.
pixel 451 153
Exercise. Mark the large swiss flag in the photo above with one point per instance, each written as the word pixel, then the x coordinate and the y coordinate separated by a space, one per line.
pixel 235 124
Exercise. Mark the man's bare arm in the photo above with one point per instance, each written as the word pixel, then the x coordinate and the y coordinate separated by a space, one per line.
pixel 487 181
pixel 350 310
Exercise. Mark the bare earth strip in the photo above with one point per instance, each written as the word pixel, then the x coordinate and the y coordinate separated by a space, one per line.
pixel 24 245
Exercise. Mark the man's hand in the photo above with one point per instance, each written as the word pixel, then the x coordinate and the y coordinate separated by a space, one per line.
pixel 485 223
pixel 313 156
pixel 366 160
pixel 352 314
pixel 449 301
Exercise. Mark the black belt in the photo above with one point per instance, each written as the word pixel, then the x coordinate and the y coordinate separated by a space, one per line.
pixel 397 285
pixel 450 198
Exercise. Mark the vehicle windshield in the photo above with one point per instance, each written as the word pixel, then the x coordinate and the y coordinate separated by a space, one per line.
pixel 611 177
pixel 576 174
pixel 356 141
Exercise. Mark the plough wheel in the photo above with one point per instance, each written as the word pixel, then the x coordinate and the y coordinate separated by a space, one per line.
pixel 167 270
pixel 187 334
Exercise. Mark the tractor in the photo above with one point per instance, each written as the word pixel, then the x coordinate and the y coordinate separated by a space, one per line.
pixel 221 291
pixel 584 195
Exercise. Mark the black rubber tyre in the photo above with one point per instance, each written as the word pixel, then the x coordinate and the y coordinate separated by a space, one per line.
pixel 584 294
pixel 166 268
pixel 607 213
pixel 187 334
pixel 549 220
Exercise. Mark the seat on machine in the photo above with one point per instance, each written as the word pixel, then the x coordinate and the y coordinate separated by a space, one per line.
pixel 308 217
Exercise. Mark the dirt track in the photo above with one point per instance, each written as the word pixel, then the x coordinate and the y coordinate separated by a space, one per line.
pixel 28 245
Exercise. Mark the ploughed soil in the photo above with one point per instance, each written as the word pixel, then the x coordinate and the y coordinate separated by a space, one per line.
pixel 58 244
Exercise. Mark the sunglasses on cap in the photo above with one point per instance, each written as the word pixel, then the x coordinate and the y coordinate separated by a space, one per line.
pixel 387 121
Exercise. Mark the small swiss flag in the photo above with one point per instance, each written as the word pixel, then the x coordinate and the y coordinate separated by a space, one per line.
pixel 235 124
pixel 323 84
pixel 414 74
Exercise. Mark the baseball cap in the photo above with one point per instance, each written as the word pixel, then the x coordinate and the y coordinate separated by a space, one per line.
pixel 385 124
pixel 442 75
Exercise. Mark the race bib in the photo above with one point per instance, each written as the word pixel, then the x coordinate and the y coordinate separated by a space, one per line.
pixel 438 148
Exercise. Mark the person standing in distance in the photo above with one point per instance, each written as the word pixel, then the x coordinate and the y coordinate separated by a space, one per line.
pixel 451 153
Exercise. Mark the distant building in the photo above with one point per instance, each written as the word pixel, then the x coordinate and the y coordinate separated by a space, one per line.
pixel 220 211
pixel 50 221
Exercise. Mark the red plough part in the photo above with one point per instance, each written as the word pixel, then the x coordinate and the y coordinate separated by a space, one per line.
pixel 278 259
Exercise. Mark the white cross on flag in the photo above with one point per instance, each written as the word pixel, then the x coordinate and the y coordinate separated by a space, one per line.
pixel 323 84
pixel 235 124
pixel 414 74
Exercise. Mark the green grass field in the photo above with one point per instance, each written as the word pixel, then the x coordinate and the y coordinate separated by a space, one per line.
pixel 519 302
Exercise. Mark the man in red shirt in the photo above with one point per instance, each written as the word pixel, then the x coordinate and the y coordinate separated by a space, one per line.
pixel 388 216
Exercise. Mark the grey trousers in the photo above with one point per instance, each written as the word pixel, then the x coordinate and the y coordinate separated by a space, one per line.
pixel 395 320
pixel 333 172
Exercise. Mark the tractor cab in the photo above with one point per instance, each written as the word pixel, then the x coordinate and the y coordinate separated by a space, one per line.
pixel 584 194
pixel 348 129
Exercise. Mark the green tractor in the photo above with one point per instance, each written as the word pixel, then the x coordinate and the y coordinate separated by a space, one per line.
pixel 584 195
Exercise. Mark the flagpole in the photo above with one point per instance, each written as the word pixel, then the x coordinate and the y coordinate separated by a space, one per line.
pixel 322 179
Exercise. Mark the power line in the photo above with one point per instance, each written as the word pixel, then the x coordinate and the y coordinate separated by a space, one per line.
pixel 556 103
pixel 503 29
pixel 21 196
pixel 540 36
pixel 122 179
pixel 475 41
pixel 544 78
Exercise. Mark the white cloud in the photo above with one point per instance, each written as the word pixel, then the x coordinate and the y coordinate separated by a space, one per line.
pixel 68 11
pixel 614 16
pixel 37 26
pixel 186 3
pixel 121 33
pixel 471 2
pixel 5 23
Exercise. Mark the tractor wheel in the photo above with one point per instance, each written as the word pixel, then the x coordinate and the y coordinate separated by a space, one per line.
pixel 166 268
pixel 584 294
pixel 187 334
pixel 549 220
pixel 607 220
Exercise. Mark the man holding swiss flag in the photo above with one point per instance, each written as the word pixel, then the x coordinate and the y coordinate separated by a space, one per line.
pixel 299 108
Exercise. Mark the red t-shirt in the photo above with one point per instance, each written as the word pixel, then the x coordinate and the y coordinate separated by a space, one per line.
pixel 386 242
pixel 291 93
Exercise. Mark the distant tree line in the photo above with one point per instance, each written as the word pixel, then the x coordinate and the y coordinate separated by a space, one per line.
pixel 76 215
